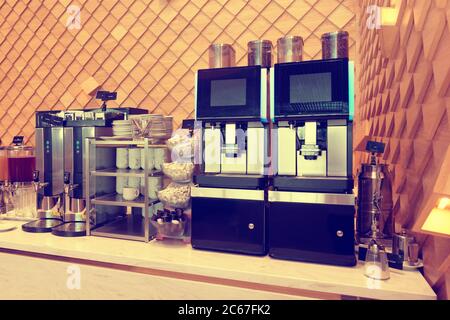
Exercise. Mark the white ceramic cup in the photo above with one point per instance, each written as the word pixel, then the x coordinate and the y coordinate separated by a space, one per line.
pixel 160 157
pixel 134 158
pixel 121 182
pixel 150 158
pixel 122 158
pixel 130 193
pixel 154 185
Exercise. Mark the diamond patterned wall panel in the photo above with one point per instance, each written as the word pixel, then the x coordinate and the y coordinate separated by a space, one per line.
pixel 148 51
pixel 415 93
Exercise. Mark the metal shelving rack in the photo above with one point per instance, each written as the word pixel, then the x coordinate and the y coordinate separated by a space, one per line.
pixel 124 227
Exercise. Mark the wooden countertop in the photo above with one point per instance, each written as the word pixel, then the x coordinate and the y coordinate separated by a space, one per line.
pixel 182 259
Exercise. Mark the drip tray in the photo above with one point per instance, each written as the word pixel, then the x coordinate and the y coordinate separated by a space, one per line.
pixel 234 181
pixel 313 184
pixel 70 229
pixel 41 226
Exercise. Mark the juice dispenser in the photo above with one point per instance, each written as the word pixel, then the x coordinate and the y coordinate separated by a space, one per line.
pixel 21 162
pixel 18 193
pixel 3 165
pixel 3 178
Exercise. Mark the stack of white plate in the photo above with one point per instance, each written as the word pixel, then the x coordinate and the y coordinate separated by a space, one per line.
pixel 7 226
pixel 122 128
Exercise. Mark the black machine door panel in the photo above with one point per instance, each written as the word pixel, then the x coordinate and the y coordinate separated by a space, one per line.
pixel 229 225
pixel 312 232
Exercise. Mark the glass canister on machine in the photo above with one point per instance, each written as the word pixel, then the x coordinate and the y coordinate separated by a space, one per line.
pixel 290 49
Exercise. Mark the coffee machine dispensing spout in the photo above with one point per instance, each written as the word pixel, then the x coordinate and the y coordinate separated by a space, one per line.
pixel 310 150
pixel 36 184
pixel 68 187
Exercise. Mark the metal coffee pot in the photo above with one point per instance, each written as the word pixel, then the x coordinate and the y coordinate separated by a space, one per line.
pixel 401 244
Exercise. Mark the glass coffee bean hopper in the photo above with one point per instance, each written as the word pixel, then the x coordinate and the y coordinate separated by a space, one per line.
pixel 21 162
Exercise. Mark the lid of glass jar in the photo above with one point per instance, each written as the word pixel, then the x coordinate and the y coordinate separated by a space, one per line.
pixel 260 43
pixel 335 34
pixel 290 39
pixel 19 146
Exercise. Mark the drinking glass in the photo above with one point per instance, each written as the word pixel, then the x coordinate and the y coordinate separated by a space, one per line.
pixel 376 266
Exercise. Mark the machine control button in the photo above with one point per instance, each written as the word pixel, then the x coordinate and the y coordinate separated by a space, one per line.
pixel 340 233
pixel 251 226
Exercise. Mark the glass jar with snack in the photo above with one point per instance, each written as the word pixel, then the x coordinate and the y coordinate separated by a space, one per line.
pixel 172 224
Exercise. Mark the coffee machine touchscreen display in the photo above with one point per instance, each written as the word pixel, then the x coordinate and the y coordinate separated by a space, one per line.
pixel 230 92
pixel 318 88
pixel 310 87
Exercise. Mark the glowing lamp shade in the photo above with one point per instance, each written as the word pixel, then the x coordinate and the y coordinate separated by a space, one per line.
pixel 389 16
pixel 439 218
pixel 444 203
pixel 434 217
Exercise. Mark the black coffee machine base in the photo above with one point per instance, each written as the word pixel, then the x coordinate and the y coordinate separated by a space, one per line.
pixel 312 227
pixel 229 220
pixel 70 229
pixel 41 225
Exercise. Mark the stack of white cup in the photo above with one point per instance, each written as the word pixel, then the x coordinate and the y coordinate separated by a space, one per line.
pixel 134 158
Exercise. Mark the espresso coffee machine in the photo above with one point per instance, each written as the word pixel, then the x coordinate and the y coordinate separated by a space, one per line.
pixel 79 125
pixel 228 202
pixel 311 204
pixel 48 177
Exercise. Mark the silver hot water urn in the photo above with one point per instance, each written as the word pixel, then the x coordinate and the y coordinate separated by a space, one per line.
pixel 47 178
pixel 374 215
